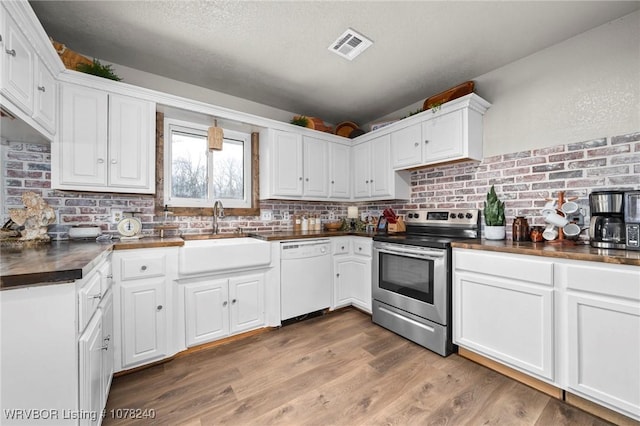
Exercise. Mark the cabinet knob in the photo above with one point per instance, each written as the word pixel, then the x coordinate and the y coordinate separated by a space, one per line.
pixel 359 248
pixel 224 303
pixel 100 160
pixel 11 52
pixel 300 178
pixel 143 268
pixel 114 161
pixel 42 89
pixel 233 301
pixel 159 308
pixel 307 179
pixel 416 144
pixel 426 141
pixel 366 181
pixel 338 275
pixel 332 182
pixel 371 181
pixel 342 248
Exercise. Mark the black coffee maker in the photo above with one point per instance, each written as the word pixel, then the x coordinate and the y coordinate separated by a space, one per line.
pixel 607 229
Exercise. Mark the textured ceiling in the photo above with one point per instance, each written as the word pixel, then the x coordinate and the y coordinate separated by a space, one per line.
pixel 275 52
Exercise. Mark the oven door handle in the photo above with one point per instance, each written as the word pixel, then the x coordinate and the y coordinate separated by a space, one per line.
pixel 434 255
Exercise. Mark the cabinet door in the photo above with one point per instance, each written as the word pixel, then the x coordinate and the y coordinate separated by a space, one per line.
pixel 246 294
pixel 339 171
pixel 107 345
pixel 406 147
pixel 505 319
pixel 83 137
pixel 604 349
pixel 316 168
pixel 444 137
pixel 143 321
pixel 91 354
pixel 344 275
pixel 287 163
pixel 380 167
pixel 206 311
pixel 131 143
pixel 361 170
pixel 17 66
pixel 46 97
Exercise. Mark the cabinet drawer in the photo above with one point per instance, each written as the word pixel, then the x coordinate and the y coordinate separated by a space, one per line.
pixel 518 267
pixel 88 299
pixel 362 248
pixel 134 268
pixel 341 245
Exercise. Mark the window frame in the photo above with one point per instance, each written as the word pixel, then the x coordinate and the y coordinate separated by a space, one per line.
pixel 252 210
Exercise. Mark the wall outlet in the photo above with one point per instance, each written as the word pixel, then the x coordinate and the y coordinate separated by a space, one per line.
pixel 116 216
pixel 332 215
pixel 285 216
pixel 266 215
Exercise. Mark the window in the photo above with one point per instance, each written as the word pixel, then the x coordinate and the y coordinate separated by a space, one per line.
pixel 195 176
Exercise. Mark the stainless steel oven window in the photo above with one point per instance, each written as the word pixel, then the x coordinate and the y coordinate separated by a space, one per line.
pixel 407 276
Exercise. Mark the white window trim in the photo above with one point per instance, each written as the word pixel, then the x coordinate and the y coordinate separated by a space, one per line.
pixel 187 126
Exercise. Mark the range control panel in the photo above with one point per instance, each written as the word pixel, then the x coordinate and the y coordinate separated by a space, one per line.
pixel 443 216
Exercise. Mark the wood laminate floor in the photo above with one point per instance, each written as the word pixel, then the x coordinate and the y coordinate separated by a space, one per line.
pixel 339 369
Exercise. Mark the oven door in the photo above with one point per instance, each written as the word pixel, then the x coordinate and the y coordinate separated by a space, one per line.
pixel 411 278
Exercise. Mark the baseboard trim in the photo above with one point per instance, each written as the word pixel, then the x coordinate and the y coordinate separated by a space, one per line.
pixel 600 411
pixel 543 387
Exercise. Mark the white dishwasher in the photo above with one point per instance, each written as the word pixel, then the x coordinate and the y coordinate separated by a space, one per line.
pixel 305 277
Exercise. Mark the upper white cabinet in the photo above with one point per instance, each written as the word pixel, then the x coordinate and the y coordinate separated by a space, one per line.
pixel 106 142
pixel 451 133
pixel 373 177
pixel 298 166
pixel 27 84
pixel 339 171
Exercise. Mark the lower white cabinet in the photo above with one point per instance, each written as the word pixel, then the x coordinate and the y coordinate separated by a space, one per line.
pixel 603 333
pixel 143 309
pixel 352 272
pixel 218 307
pixel 503 309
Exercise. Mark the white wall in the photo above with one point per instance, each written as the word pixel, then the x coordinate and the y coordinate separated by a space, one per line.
pixel 584 88
pixel 179 88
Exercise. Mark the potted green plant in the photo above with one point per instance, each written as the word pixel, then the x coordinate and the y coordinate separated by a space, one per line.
pixel 494 220
pixel 300 120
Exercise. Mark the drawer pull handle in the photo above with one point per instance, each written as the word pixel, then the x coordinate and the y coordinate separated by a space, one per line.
pixel 96 296
pixel 143 268
pixel 110 276
pixel 159 307
pixel 42 89
pixel 11 52
pixel 105 347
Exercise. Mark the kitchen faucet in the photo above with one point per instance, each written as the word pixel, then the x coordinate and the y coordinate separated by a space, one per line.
pixel 218 213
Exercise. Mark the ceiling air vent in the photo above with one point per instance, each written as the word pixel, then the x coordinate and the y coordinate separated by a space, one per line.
pixel 350 44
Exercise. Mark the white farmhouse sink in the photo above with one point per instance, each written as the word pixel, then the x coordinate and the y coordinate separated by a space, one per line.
pixel 200 256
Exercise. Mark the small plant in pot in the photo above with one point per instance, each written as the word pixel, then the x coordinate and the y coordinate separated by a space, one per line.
pixel 494 220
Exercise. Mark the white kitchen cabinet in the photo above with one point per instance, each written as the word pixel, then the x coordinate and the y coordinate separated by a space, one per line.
pixel 144 321
pixel 287 165
pixel 406 146
pixel 361 159
pixel 46 97
pixel 373 177
pixel 107 349
pixel 352 272
pixel 219 307
pixel 106 142
pixel 453 132
pixel 143 305
pixel 503 309
pixel 17 66
pixel 47 363
pixel 315 167
pixel 602 317
pixel 339 171
pixel 91 354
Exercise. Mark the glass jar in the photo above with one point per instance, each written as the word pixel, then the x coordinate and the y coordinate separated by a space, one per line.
pixel 520 230
pixel 536 234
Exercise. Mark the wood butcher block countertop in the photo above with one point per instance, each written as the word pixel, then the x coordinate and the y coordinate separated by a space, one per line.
pixel 299 235
pixel 61 261
pixel 563 251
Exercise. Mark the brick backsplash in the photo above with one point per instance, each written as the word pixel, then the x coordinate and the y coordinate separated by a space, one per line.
pixel 522 179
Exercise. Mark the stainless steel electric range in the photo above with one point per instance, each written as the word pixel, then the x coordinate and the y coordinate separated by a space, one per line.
pixel 412 275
